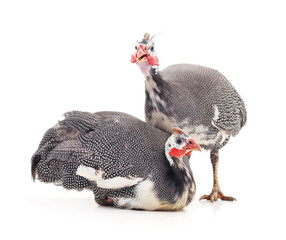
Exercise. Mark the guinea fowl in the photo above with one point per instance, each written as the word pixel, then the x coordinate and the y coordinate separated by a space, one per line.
pixel 199 100
pixel 126 162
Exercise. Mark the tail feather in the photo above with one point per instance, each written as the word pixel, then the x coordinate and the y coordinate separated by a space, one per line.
pixel 60 153
pixel 34 164
pixel 59 172
pixel 47 143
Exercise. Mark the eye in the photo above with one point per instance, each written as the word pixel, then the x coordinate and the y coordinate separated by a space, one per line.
pixel 190 142
pixel 179 141
pixel 135 47
pixel 152 48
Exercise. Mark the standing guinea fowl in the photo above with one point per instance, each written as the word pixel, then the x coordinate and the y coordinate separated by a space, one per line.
pixel 126 162
pixel 199 100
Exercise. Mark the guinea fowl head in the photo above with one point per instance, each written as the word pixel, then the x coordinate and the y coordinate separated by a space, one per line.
pixel 178 145
pixel 144 55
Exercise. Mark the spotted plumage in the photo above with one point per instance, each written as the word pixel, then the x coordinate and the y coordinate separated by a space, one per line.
pixel 198 99
pixel 118 157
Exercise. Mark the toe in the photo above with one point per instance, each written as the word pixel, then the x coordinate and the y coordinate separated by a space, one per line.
pixel 226 198
pixel 206 197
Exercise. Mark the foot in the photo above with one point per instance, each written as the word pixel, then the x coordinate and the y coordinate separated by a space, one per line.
pixel 217 194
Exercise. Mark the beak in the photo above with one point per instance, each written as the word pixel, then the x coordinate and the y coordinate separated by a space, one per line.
pixel 141 53
pixel 192 145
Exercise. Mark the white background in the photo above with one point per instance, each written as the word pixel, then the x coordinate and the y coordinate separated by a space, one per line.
pixel 57 56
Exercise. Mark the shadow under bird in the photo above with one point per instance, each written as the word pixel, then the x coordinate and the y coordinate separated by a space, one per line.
pixel 126 162
pixel 197 99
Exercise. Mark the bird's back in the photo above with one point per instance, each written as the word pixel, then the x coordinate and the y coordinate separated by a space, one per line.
pixel 203 95
pixel 117 143
pixel 126 146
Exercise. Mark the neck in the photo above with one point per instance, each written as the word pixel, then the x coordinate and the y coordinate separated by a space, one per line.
pixel 157 93
pixel 183 180
pixel 156 77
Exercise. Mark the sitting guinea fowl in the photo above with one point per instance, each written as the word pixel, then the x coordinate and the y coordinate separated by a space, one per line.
pixel 126 162
pixel 199 100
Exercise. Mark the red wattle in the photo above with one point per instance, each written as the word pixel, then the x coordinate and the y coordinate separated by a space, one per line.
pixel 153 60
pixel 133 59
pixel 188 153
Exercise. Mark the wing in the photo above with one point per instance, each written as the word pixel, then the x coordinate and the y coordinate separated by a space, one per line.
pixel 211 97
pixel 97 176
pixel 117 144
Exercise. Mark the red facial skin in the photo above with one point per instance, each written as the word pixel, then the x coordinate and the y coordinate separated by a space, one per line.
pixel 141 51
pixel 187 150
pixel 178 153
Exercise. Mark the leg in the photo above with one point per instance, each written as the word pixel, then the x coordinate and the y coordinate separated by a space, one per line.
pixel 216 192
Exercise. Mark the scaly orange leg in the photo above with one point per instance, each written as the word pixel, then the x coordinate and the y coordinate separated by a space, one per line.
pixel 216 192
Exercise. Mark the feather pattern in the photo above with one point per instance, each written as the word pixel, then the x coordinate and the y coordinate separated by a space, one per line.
pixel 114 155
pixel 198 99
